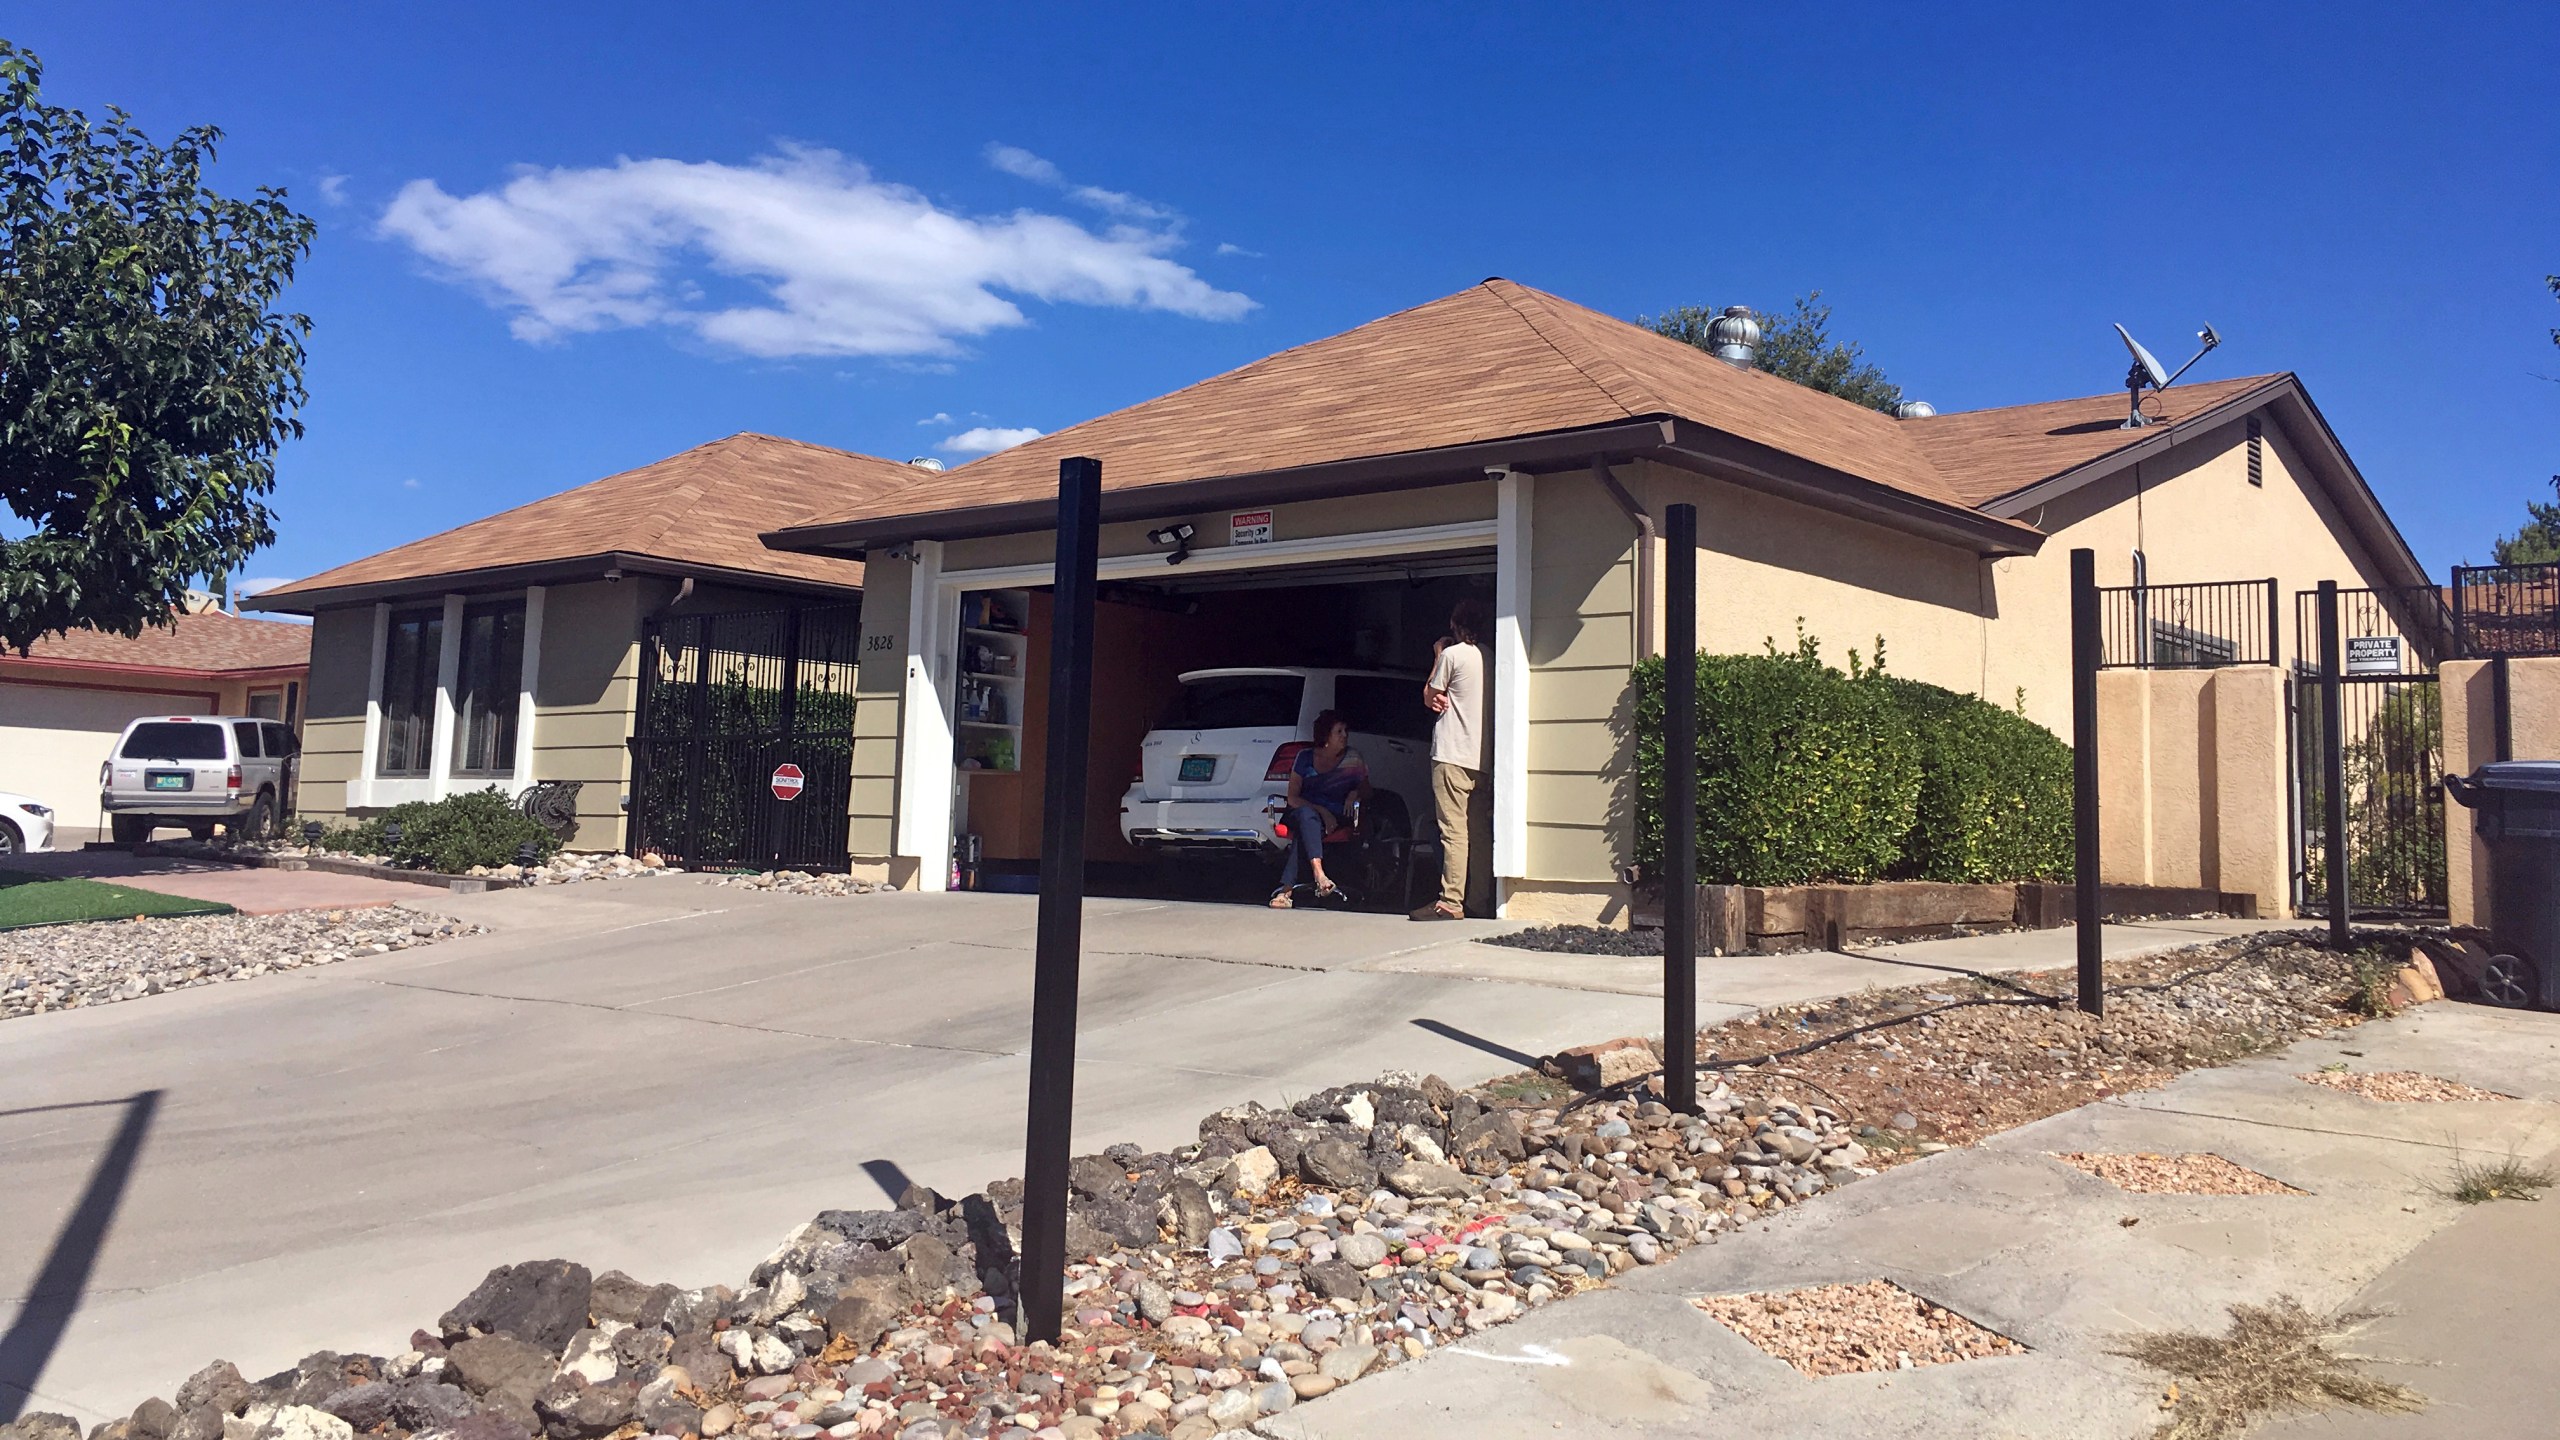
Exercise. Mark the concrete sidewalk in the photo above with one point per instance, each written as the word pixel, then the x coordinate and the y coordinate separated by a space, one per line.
pixel 251 891
pixel 2043 1253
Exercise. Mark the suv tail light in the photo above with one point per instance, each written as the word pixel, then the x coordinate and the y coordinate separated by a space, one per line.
pixel 1284 759
pixel 231 782
pixel 106 773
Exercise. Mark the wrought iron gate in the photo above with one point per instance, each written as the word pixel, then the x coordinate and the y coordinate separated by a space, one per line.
pixel 2389 752
pixel 727 701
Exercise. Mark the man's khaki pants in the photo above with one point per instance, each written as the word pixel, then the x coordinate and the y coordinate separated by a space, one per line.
pixel 1463 803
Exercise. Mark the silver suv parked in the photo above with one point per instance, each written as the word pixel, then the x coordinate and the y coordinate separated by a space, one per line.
pixel 196 772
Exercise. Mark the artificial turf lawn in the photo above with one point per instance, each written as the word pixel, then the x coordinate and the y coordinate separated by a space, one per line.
pixel 42 900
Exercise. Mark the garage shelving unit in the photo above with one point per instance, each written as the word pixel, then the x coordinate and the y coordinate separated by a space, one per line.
pixel 994 653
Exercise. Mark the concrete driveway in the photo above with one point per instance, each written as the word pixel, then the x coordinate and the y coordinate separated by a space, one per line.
pixel 667 1075
pixel 663 1076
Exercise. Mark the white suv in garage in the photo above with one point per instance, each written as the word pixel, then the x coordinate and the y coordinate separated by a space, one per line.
pixel 197 771
pixel 1213 771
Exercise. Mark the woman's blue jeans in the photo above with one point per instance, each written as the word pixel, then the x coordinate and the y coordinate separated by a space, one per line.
pixel 1306 838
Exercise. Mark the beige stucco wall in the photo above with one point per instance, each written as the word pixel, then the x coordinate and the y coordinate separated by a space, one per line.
pixel 2196 517
pixel 2191 781
pixel 2468 688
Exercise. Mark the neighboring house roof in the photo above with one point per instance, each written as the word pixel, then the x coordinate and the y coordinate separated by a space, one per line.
pixel 1493 362
pixel 206 643
pixel 696 512
pixel 1986 454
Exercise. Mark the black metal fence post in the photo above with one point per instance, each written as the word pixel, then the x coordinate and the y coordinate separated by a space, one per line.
pixel 1680 814
pixel 2086 647
pixel 1060 936
pixel 2275 624
pixel 2333 762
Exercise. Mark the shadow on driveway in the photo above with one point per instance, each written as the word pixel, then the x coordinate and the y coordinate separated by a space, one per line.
pixel 55 1294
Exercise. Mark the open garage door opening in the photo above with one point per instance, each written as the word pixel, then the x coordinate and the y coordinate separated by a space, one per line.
pixel 1205 687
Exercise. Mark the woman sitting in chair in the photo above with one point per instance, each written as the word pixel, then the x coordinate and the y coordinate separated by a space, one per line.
pixel 1327 779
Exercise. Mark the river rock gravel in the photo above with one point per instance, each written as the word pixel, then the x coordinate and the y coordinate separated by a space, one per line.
pixel 1847 1329
pixel 2401 1087
pixel 63 967
pixel 2148 1174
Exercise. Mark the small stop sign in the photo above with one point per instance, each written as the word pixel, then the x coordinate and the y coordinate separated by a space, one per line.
pixel 787 780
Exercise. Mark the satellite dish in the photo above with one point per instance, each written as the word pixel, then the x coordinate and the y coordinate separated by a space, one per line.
pixel 2146 371
pixel 2143 363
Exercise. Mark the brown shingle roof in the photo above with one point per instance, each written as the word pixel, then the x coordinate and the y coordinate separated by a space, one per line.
pixel 208 641
pixel 703 507
pixel 1493 361
pixel 1985 454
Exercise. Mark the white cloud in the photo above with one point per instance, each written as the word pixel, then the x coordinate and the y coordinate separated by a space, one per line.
pixel 1226 247
pixel 333 189
pixel 987 439
pixel 938 417
pixel 410 484
pixel 841 263
pixel 1119 204
pixel 260 585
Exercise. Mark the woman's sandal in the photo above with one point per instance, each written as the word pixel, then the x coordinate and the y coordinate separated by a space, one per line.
pixel 1280 900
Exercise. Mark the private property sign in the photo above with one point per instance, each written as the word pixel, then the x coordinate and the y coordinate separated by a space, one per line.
pixel 2373 654
pixel 787 780
pixel 1249 527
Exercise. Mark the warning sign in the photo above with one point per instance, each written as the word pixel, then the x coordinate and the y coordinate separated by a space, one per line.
pixel 2373 654
pixel 787 780
pixel 1249 527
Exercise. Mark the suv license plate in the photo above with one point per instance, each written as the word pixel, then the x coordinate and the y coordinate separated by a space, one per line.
pixel 1198 769
pixel 170 780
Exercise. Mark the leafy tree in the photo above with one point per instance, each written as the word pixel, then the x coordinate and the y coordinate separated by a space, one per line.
pixel 1795 346
pixel 2537 541
pixel 146 378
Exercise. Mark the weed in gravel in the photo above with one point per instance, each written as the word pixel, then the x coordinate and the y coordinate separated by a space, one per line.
pixel 2476 1183
pixel 2370 991
pixel 2274 1358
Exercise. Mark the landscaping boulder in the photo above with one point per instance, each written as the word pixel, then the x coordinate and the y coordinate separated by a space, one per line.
pixel 42 1425
pixel 618 1297
pixel 541 1302
pixel 1488 1144
pixel 505 1373
pixel 572 1409
pixel 1337 1164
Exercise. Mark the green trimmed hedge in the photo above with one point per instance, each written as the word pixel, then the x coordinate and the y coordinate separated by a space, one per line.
pixel 448 836
pixel 1807 774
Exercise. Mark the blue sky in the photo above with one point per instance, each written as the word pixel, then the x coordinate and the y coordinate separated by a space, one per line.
pixel 562 240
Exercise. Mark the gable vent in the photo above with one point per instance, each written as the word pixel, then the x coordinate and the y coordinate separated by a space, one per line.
pixel 2257 452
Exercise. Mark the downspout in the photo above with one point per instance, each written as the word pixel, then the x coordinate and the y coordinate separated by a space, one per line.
pixel 1646 647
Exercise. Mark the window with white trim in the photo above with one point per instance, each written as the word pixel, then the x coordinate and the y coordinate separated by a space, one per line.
pixel 412 651
pixel 485 688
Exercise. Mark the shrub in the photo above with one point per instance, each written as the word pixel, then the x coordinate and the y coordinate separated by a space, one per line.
pixel 1804 773
pixel 1995 791
pixel 449 836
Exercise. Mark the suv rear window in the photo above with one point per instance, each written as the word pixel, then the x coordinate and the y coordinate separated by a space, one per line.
pixel 1383 705
pixel 1237 702
pixel 174 740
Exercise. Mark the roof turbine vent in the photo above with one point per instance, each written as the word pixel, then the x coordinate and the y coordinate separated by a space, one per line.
pixel 1914 410
pixel 1734 337
pixel 925 462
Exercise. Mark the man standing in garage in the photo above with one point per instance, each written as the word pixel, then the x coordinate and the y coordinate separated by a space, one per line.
pixel 1461 797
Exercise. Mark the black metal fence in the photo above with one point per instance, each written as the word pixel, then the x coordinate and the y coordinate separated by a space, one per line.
pixel 2506 610
pixel 726 701
pixel 2189 627
pixel 2387 839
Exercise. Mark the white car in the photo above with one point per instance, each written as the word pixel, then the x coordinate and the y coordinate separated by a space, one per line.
pixel 26 825
pixel 1214 774
pixel 197 771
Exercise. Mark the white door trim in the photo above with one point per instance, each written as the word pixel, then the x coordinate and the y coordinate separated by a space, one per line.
pixel 1511 621
pixel 926 772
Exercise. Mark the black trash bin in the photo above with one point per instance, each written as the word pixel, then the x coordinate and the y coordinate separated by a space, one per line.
pixel 2519 816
